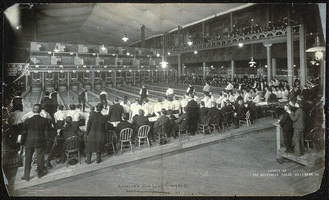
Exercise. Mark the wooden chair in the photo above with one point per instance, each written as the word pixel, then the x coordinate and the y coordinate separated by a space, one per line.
pixel 226 119
pixel 110 140
pixel 204 125
pixel 246 120
pixel 213 125
pixel 182 129
pixel 309 139
pixel 125 137
pixel 72 145
pixel 143 133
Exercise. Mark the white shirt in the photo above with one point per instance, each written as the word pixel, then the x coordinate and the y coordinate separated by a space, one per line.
pixel 126 107
pixel 148 109
pixel 78 115
pixel 206 88
pixel 246 97
pixel 229 87
pixel 103 92
pixel 170 91
pixel 231 98
pixel 134 109
pixel 44 114
pixel 166 104
pixel 59 115
pixel 285 94
pixel 27 115
pixel 267 95
pixel 183 103
pixel 175 105
pixel 256 99
pixel 157 108
pixel 219 100
pixel 71 113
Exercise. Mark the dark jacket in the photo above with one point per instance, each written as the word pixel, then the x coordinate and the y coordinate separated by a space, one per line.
pixel 241 112
pixel 122 125
pixel 96 132
pixel 162 124
pixel 34 131
pixel 202 113
pixel 192 110
pixel 139 121
pixel 48 103
pixel 286 123
pixel 69 130
pixel 298 119
pixel 115 113
pixel 272 98
pixel 215 115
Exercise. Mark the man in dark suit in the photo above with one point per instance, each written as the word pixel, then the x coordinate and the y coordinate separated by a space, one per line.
pixel 287 129
pixel 138 121
pixel 34 133
pixel 298 119
pixel 123 124
pixel 115 111
pixel 96 134
pixel 215 114
pixel 143 92
pixel 47 103
pixel 162 124
pixel 240 113
pixel 203 111
pixel 82 99
pixel 192 115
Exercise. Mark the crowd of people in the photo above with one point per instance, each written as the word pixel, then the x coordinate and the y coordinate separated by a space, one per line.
pixel 51 120
pixel 241 31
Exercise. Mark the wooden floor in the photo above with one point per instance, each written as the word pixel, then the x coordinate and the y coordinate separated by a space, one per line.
pixel 242 162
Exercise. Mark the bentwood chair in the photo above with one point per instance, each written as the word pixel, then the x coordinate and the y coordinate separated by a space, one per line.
pixel 182 129
pixel 227 119
pixel 125 137
pixel 203 127
pixel 214 125
pixel 110 141
pixel 143 133
pixel 246 120
pixel 72 145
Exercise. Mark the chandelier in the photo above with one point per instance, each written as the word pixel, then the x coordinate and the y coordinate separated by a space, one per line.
pixel 125 38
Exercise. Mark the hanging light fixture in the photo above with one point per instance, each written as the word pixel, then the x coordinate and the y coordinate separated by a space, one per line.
pixel 252 63
pixel 103 47
pixel 158 54
pixel 125 38
pixel 195 52
pixel 317 48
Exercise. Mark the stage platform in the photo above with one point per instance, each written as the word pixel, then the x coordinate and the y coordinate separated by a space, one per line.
pixel 60 172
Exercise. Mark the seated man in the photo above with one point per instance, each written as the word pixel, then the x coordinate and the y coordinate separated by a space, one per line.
pixel 240 113
pixel 123 124
pixel 70 130
pixel 179 121
pixel 175 106
pixel 203 111
pixel 148 108
pixel 138 121
pixel 158 107
pixel 78 119
pixel 59 117
pixel 162 124
pixel 214 113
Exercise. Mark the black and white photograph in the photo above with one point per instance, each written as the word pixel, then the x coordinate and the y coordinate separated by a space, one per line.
pixel 163 99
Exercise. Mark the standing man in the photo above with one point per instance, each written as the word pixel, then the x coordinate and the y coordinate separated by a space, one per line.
pixel 298 119
pixel 115 111
pixel 229 87
pixel 206 89
pixel 103 97
pixel 192 115
pixel 34 133
pixel 47 103
pixel 139 121
pixel 143 92
pixel 96 133
pixel 170 94
pixel 190 90
pixel 82 98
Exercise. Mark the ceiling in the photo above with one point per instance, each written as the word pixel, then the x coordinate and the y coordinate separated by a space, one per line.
pixel 97 23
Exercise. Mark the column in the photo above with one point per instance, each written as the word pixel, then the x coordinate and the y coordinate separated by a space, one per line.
pixel 115 79
pixel 142 36
pixel 203 35
pixel 232 69
pixel 68 80
pixel 269 71
pixel 183 69
pixel 134 77
pixel 26 81
pixel 179 66
pixel 231 22
pixel 43 81
pixel 152 77
pixel 179 36
pixel 92 79
pixel 302 55
pixel 290 56
pixel 274 67
pixel 204 70
pixel 322 76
